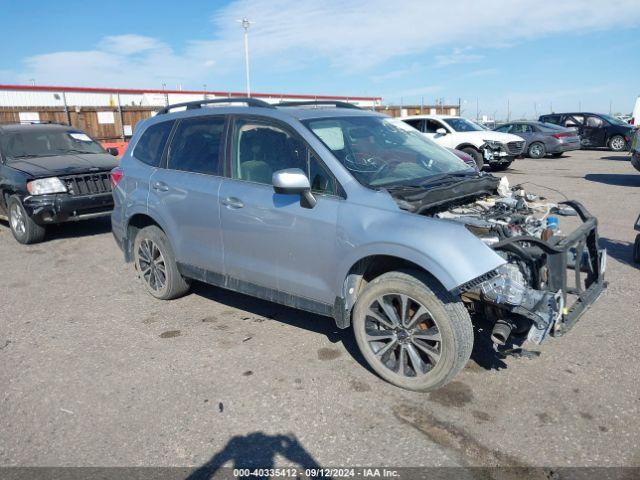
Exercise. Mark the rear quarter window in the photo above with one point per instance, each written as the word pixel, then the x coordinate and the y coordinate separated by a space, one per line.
pixel 151 145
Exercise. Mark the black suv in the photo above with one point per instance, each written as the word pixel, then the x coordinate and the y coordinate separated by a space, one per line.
pixel 595 129
pixel 51 174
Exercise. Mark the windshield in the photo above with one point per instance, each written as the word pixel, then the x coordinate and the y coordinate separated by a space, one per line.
pixel 43 143
pixel 614 120
pixel 380 151
pixel 463 125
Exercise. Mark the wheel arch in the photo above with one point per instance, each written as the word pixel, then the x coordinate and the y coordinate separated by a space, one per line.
pixel 467 145
pixel 137 222
pixel 369 267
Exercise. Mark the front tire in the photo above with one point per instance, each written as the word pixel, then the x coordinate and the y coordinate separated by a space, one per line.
pixel 156 265
pixel 412 332
pixel 537 150
pixel 24 229
pixel 476 155
pixel 617 143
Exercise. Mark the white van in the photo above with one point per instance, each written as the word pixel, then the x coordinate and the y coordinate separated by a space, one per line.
pixel 635 116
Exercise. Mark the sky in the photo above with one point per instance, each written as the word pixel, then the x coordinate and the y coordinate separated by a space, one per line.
pixel 522 57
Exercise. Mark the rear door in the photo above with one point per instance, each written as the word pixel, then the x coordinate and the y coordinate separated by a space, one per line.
pixel 184 192
pixel 270 241
pixel 593 132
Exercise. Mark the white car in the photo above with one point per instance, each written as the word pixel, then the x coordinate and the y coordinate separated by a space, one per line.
pixel 487 147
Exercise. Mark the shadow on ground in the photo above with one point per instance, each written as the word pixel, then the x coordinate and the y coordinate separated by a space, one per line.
pixel 483 353
pixel 621 251
pixel 256 450
pixel 84 228
pixel 618 179
pixel 296 318
pixel 620 158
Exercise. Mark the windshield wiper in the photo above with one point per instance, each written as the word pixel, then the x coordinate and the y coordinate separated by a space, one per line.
pixel 434 180
pixel 72 150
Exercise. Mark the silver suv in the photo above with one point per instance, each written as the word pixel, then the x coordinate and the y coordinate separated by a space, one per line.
pixel 353 215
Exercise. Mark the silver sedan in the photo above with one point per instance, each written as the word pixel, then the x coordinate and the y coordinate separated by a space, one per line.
pixel 543 139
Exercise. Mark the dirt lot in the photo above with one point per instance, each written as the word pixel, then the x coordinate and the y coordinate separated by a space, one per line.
pixel 93 371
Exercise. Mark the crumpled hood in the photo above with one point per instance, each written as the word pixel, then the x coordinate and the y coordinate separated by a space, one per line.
pixel 56 165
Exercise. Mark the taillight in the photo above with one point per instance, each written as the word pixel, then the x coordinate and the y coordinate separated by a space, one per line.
pixel 116 176
pixel 562 135
pixel 632 121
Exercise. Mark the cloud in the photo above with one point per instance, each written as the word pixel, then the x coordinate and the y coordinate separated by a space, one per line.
pixel 130 44
pixel 337 37
pixel 458 55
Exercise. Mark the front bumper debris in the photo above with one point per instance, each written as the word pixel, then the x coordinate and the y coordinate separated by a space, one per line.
pixel 63 207
pixel 546 304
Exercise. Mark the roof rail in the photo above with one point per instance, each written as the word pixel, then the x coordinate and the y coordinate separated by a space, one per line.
pixel 337 104
pixel 251 102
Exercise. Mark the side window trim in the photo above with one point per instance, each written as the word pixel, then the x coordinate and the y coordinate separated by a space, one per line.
pixel 162 161
pixel 270 121
pixel 222 149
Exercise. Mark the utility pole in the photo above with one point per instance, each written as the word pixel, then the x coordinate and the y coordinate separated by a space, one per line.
pixel 245 25
pixel 166 95
pixel 422 105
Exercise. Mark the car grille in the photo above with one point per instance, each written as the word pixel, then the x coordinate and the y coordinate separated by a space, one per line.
pixel 87 183
pixel 515 148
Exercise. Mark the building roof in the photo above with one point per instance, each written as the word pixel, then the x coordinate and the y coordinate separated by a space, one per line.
pixel 136 91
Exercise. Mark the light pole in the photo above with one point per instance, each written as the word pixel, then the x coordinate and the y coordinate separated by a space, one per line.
pixel 245 25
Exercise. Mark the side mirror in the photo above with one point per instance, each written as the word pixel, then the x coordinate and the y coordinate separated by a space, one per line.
pixel 293 181
pixel 113 151
pixel 441 131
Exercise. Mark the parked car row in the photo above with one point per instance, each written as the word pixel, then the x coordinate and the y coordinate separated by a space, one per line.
pixel 330 209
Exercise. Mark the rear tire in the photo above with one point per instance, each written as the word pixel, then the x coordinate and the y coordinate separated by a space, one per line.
pixel 537 150
pixel 156 265
pixel 476 155
pixel 421 350
pixel 636 249
pixel 24 229
pixel 617 143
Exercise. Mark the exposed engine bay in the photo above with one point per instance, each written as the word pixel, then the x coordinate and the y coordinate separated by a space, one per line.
pixel 529 296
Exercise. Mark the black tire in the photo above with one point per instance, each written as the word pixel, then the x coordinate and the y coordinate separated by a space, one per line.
pixel 635 161
pixel 475 154
pixel 537 150
pixel 24 229
pixel 636 249
pixel 156 265
pixel 617 143
pixel 444 316
pixel 499 167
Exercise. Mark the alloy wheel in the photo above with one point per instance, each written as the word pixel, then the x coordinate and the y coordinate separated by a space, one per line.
pixel 151 265
pixel 536 151
pixel 403 335
pixel 17 219
pixel 617 143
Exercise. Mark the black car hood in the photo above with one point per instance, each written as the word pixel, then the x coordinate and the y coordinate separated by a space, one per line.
pixel 64 164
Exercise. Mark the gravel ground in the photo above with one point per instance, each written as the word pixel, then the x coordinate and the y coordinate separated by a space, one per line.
pixel 94 372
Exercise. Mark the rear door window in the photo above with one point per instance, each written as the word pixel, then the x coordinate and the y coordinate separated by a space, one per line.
pixel 595 122
pixel 150 147
pixel 196 145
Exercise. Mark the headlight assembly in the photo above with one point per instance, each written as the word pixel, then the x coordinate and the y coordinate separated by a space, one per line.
pixel 43 186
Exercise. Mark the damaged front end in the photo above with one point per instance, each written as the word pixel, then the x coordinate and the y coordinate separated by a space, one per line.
pixel 549 279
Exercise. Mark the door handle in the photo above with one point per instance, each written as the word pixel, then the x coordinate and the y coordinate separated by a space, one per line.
pixel 232 202
pixel 160 186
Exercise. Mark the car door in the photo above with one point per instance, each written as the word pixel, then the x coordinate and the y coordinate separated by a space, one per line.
pixel 184 193
pixel 271 242
pixel 593 132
